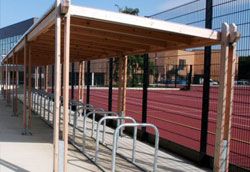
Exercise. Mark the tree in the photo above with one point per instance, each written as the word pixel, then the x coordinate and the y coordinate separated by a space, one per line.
pixel 127 10
pixel 135 62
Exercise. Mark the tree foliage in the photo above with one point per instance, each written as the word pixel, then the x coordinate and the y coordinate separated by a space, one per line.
pixel 135 62
pixel 127 10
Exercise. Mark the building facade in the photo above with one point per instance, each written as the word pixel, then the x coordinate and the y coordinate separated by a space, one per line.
pixel 167 61
pixel 10 35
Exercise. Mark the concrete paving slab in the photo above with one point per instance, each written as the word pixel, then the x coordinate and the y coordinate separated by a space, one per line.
pixel 144 152
pixel 19 153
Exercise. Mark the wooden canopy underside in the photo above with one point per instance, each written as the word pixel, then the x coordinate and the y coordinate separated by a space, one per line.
pixel 96 34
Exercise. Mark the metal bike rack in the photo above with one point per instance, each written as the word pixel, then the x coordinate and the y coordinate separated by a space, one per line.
pixel 117 118
pixel 51 103
pixel 84 108
pixel 45 96
pixel 76 103
pixel 94 112
pixel 48 97
pixel 41 100
pixel 77 113
pixel 35 100
pixel 79 105
pixel 115 141
pixel 32 98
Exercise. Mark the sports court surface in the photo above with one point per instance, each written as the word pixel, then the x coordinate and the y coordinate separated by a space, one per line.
pixel 177 114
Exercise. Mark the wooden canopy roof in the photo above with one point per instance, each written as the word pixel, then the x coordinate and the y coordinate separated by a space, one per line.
pixel 96 34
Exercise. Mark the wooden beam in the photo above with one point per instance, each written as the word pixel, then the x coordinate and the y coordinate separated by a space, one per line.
pixel 219 164
pixel 79 81
pixel 36 78
pixel 6 81
pixel 65 6
pixel 78 38
pixel 7 85
pixel 43 26
pixel 230 93
pixel 13 84
pixel 16 86
pixel 2 78
pixel 142 22
pixel 124 84
pixel 46 77
pixel 83 31
pixel 83 81
pixel 24 89
pixel 57 87
pixel 66 88
pixel 29 89
pixel 20 45
pixel 119 85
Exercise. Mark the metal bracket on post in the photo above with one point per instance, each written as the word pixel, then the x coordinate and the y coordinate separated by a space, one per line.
pixel 65 6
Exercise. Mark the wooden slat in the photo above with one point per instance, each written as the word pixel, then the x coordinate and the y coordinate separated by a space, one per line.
pixel 119 85
pixel 24 87
pixel 46 78
pixel 80 81
pixel 43 26
pixel 13 84
pixel 29 88
pixel 124 84
pixel 16 85
pixel 142 22
pixel 120 37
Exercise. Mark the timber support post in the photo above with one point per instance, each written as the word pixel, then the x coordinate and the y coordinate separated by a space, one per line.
pixel 8 84
pixel 66 88
pixel 80 81
pixel 16 88
pixel 13 83
pixel 121 106
pixel 57 92
pixel 46 73
pixel 229 38
pixel 29 91
pixel 25 117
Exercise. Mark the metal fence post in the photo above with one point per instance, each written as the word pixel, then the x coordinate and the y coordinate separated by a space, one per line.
pixel 110 84
pixel 40 78
pixel 145 95
pixel 206 88
pixel 52 80
pixel 72 80
pixel 88 83
pixel 175 75
pixel 190 77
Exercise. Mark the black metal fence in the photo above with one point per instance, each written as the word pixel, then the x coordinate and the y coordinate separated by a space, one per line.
pixel 178 90
pixel 210 14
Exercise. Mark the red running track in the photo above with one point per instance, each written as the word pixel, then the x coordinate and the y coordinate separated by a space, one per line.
pixel 177 114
